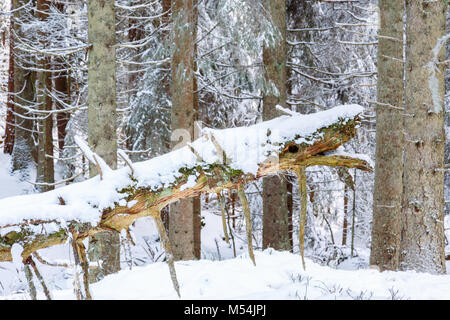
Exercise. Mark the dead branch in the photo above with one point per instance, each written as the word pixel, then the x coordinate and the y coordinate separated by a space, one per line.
pixel 210 178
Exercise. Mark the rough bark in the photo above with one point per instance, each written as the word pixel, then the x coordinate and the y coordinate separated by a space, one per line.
pixel 301 176
pixel 275 195
pixel 184 222
pixel 9 129
pixel 422 240
pixel 45 164
pixel 388 186
pixel 345 222
pixel 22 155
pixel 62 118
pixel 301 15
pixel 102 118
pixel 62 86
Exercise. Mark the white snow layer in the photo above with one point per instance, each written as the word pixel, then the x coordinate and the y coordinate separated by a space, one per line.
pixel 277 275
pixel 245 147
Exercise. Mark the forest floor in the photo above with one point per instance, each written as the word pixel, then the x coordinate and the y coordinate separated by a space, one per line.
pixel 219 274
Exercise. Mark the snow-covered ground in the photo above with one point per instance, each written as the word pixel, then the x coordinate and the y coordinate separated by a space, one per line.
pixel 218 275
pixel 277 275
pixel 9 184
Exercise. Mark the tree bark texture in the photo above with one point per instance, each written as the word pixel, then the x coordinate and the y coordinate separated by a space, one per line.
pixel 388 186
pixel 22 155
pixel 275 198
pixel 184 222
pixel 345 222
pixel 45 164
pixel 102 123
pixel 9 129
pixel 102 117
pixel 422 241
pixel 62 87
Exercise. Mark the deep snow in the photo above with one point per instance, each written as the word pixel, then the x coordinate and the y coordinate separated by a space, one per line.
pixel 277 275
pixel 218 275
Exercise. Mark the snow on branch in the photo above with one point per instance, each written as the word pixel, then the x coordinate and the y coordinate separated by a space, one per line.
pixel 287 111
pixel 93 157
pixel 223 159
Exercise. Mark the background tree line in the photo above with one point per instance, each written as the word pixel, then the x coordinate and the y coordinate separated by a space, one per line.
pixel 127 74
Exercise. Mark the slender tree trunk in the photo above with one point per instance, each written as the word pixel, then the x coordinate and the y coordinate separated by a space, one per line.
pixel 166 85
pixel 62 118
pixel 290 207
pixel 301 15
pixel 345 223
pixel 9 130
pixel 352 246
pixel 184 222
pixel 422 242
pixel 388 188
pixel 134 34
pixel 62 86
pixel 275 202
pixel 45 164
pixel 102 117
pixel 22 155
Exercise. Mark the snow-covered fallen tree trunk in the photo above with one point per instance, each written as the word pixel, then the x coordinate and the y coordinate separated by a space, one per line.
pixel 219 159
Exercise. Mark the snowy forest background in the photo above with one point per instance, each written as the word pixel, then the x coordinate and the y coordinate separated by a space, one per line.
pixel 332 60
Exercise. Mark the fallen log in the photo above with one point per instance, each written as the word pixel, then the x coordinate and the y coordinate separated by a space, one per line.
pixel 219 159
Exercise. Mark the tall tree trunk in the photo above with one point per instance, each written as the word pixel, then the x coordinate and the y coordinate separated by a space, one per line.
pixel 45 164
pixel 62 86
pixel 301 15
pixel 22 155
pixel 134 34
pixel 275 202
pixel 388 186
pixel 184 222
pixel 9 130
pixel 422 242
pixel 102 117
pixel 165 83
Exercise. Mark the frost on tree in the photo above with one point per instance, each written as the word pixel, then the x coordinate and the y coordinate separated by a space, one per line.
pixel 219 159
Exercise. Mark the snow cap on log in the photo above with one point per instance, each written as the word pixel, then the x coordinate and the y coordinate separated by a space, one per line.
pixel 246 148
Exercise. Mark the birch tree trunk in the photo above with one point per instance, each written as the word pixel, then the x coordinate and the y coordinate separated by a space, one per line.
pixel 388 186
pixel 102 119
pixel 275 189
pixel 184 222
pixel 422 242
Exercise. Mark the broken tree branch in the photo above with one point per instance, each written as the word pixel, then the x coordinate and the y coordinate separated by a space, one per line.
pixel 140 196
pixel 248 221
pixel 222 206
pixel 301 176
